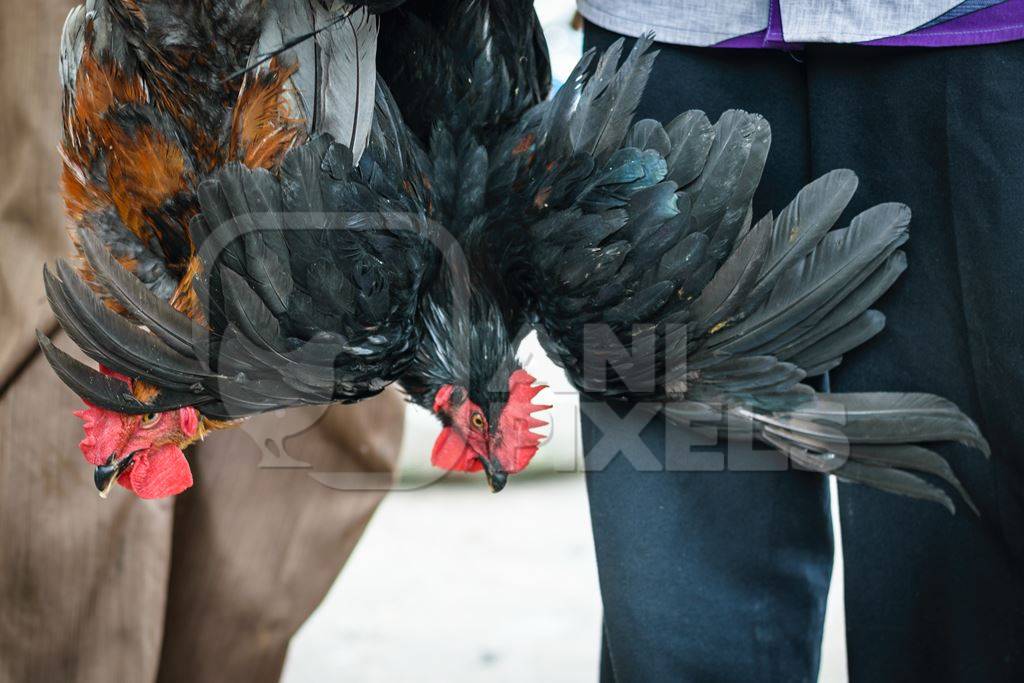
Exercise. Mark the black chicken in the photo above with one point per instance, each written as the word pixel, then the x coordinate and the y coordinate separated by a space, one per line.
pixel 629 246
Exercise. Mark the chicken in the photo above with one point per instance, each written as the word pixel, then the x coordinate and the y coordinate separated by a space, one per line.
pixel 165 158
pixel 300 264
pixel 629 247
pixel 636 258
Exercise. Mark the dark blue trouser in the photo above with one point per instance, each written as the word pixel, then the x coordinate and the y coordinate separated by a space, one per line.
pixel 723 575
pixel 708 576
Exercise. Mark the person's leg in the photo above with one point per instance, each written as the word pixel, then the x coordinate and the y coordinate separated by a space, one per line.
pixel 83 580
pixel 257 548
pixel 707 576
pixel 930 596
pixel 715 575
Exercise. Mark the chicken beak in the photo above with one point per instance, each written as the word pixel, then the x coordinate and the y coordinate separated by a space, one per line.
pixel 497 477
pixel 105 475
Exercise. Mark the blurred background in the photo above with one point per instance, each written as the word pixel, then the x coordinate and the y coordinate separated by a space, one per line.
pixel 452 583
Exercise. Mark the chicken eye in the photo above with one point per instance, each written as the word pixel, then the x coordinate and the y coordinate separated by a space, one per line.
pixel 477 420
pixel 149 420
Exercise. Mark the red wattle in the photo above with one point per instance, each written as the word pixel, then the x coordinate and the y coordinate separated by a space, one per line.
pixel 451 452
pixel 159 473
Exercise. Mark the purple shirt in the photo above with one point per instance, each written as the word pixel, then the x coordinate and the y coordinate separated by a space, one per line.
pixel 997 23
pixel 789 24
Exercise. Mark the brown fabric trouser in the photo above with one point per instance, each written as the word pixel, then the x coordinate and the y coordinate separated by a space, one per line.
pixel 208 587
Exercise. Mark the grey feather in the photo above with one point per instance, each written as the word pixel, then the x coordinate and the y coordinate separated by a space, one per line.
pixel 881 418
pixel 128 349
pixel 733 281
pixel 103 391
pixel 909 457
pixel 843 340
pixel 771 377
pixel 247 311
pixel 335 82
pixel 898 482
pixel 648 134
pixel 738 209
pixel 800 225
pixel 718 181
pixel 610 98
pixel 883 478
pixel 691 134
pixel 843 260
pixel 172 326
pixel 682 260
pixel 831 316
pixel 72 43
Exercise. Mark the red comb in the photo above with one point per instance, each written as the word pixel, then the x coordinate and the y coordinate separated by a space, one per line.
pixel 520 443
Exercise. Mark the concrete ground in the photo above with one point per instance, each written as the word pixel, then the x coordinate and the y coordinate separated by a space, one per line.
pixel 452 583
